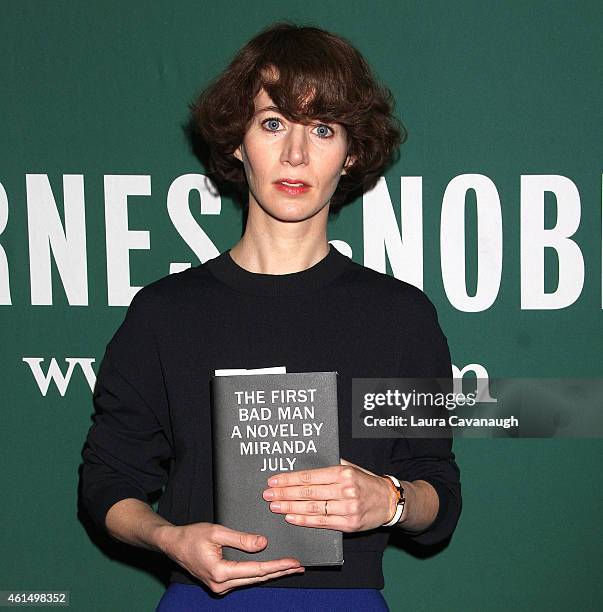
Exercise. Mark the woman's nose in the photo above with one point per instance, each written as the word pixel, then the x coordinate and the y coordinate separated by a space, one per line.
pixel 295 146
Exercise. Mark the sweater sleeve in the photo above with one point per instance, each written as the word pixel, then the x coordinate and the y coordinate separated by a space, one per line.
pixel 430 459
pixel 127 449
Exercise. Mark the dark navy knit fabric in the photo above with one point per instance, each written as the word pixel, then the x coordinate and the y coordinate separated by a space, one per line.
pixel 152 423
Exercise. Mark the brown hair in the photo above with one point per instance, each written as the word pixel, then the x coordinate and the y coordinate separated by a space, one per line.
pixel 318 76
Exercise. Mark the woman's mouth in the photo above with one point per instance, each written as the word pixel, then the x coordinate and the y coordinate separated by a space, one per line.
pixel 291 187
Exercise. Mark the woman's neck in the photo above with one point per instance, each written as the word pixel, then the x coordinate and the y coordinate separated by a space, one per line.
pixel 278 256
pixel 274 246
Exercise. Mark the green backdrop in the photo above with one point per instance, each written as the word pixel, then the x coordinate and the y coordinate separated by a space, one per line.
pixel 500 89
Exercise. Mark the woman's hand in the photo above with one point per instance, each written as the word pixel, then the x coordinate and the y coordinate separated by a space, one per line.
pixel 198 549
pixel 356 499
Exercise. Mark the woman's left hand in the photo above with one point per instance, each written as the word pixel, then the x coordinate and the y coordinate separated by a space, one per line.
pixel 344 497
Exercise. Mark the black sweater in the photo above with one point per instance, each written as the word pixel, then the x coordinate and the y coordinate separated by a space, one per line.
pixel 152 420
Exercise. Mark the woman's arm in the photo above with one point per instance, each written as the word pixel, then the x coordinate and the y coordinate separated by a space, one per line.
pixel 125 460
pixel 134 522
pixel 196 547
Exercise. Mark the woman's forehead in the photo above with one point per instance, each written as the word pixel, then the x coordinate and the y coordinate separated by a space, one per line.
pixel 263 101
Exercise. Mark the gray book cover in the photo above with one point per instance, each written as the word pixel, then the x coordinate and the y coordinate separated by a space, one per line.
pixel 265 424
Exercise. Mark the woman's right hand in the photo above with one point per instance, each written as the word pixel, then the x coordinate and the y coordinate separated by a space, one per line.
pixel 198 549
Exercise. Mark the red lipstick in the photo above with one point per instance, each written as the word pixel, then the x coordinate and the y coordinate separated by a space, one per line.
pixel 291 186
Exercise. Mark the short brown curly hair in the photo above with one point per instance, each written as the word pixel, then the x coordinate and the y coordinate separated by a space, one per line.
pixel 320 76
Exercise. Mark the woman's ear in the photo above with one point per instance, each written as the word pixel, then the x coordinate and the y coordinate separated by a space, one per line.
pixel 238 153
pixel 349 162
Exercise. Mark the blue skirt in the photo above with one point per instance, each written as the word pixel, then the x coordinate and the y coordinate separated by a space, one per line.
pixel 179 597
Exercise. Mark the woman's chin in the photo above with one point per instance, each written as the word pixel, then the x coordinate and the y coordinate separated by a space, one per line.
pixel 291 212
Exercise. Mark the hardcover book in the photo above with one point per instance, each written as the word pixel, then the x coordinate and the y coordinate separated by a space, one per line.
pixel 265 424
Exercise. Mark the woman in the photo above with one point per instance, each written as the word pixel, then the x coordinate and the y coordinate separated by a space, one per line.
pixel 299 121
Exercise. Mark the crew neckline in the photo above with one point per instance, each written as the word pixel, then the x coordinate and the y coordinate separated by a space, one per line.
pixel 323 272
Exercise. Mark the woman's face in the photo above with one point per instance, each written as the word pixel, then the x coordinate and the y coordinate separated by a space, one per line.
pixel 275 151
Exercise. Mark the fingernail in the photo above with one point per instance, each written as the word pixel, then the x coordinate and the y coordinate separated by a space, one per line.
pixel 268 494
pixel 259 541
pixel 275 506
pixel 272 482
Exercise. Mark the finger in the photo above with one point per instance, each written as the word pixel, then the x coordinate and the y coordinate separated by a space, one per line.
pixel 231 584
pixel 317 508
pixel 326 475
pixel 337 522
pixel 249 542
pixel 314 492
pixel 224 536
pixel 230 570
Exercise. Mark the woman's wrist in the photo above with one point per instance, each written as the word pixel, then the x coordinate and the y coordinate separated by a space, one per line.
pixel 421 506
pixel 391 499
pixel 397 500
pixel 410 492
pixel 409 496
pixel 162 537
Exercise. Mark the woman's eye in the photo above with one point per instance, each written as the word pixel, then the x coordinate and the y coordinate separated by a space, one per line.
pixel 271 124
pixel 324 131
